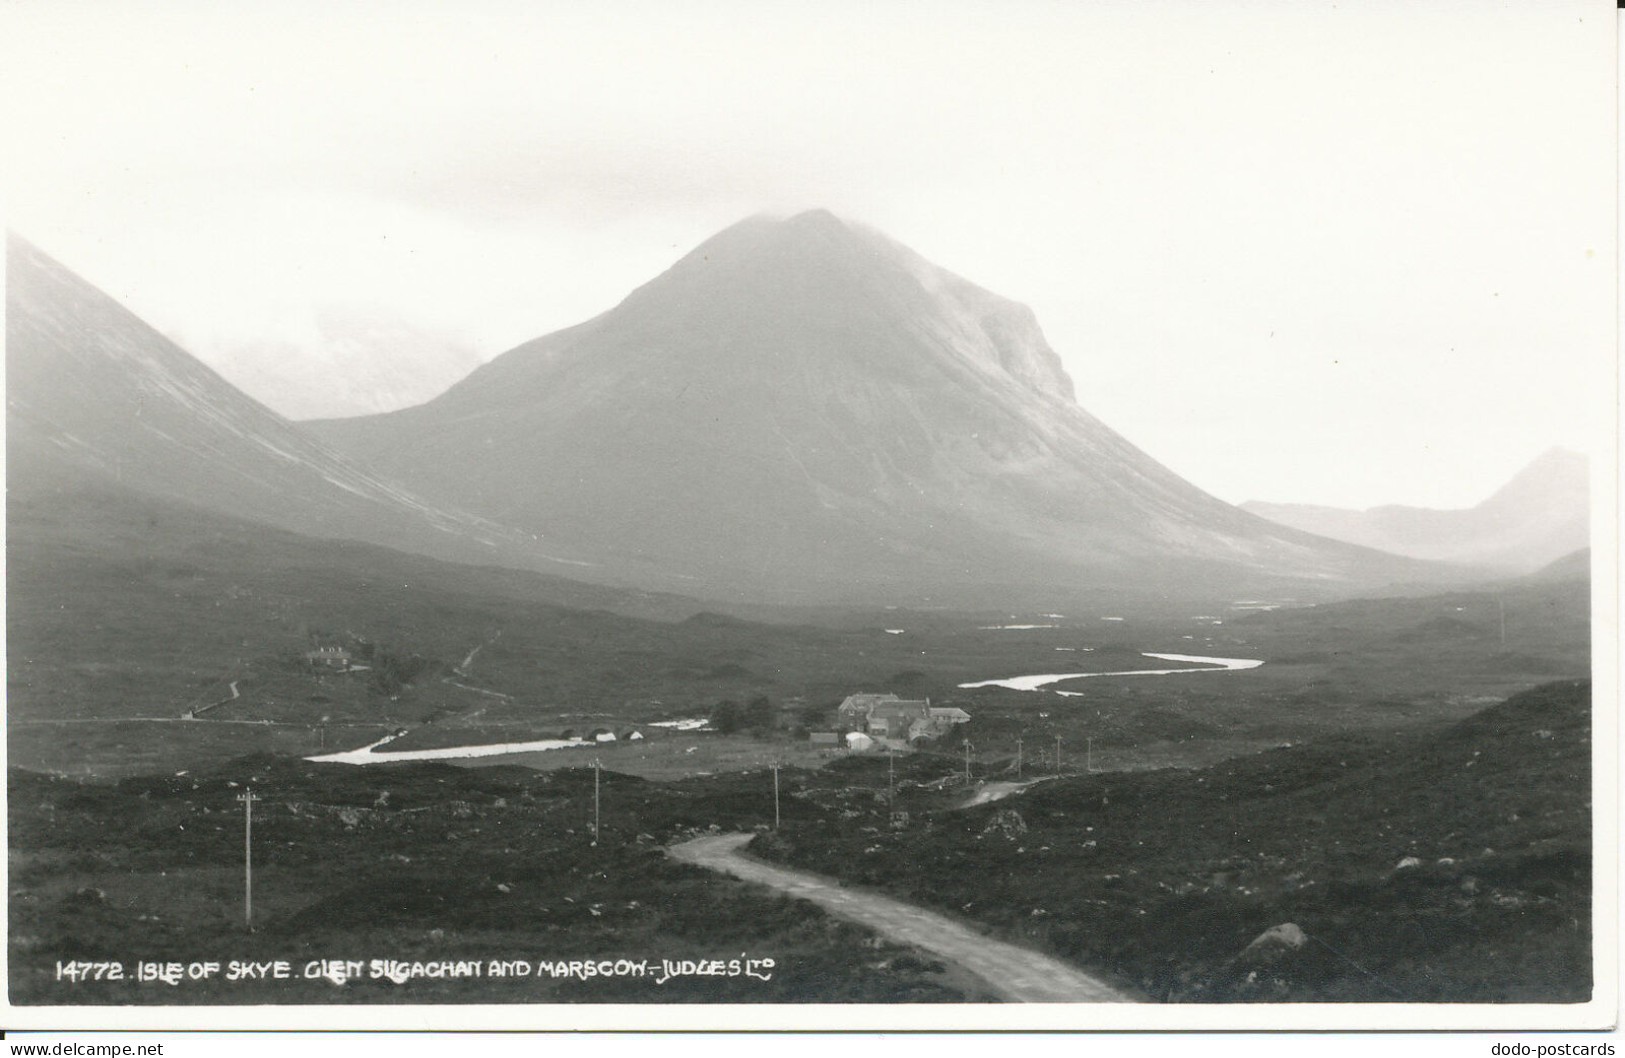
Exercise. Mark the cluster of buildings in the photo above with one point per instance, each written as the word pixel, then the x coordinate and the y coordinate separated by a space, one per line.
pixel 868 720
pixel 335 659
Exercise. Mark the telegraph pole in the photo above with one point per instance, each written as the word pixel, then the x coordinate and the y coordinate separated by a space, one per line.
pixel 775 795
pixel 247 798
pixel 967 762
pixel 1018 758
pixel 1089 756
pixel 1057 754
pixel 595 816
pixel 891 776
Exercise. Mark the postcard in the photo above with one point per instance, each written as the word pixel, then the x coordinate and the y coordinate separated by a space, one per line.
pixel 826 517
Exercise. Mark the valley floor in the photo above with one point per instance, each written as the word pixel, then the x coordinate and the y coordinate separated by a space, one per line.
pixel 1446 864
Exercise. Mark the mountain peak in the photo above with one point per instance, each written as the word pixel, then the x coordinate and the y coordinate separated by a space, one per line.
pixel 807 221
pixel 803 237
pixel 815 219
pixel 802 407
pixel 845 287
pixel 1558 477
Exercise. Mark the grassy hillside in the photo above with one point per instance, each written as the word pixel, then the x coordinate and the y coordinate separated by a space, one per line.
pixel 417 863
pixel 1450 864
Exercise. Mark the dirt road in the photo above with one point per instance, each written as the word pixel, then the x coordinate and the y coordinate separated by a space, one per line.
pixel 1015 974
pixel 995 791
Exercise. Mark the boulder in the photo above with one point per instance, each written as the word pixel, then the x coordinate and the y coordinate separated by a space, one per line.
pixel 1006 821
pixel 1275 942
pixel 89 895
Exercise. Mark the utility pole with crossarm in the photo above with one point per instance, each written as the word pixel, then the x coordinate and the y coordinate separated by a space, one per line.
pixel 248 798
pixel 596 766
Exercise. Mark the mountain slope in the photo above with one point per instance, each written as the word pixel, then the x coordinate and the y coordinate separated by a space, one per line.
pixel 1576 565
pixel 1539 516
pixel 804 409
pixel 94 395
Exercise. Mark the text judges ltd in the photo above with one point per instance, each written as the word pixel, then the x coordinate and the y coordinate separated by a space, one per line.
pixel 340 971
pixel 400 971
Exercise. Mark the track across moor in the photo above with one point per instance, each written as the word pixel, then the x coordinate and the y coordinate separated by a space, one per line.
pixel 1014 973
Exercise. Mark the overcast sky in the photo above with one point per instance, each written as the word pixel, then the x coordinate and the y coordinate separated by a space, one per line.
pixel 1347 254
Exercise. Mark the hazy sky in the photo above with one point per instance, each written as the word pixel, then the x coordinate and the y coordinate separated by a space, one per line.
pixel 1349 254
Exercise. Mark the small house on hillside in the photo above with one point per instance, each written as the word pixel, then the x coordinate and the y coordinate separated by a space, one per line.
pixel 887 716
pixel 894 719
pixel 880 713
pixel 937 722
pixel 854 711
pixel 328 657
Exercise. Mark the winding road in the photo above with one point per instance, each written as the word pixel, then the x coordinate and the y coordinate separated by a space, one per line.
pixel 995 791
pixel 1015 974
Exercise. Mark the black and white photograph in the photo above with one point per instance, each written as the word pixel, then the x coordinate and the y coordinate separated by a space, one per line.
pixel 893 516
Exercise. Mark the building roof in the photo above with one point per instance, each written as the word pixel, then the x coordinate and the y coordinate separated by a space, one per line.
pixel 898 710
pixel 866 702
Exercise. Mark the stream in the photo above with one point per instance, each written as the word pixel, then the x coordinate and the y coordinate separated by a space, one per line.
pixel 1033 683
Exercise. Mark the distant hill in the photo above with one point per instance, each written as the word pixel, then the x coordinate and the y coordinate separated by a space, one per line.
pixel 803 410
pixel 159 594
pixel 1576 565
pixel 1539 516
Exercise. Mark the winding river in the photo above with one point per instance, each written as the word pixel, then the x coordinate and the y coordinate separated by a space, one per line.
pixel 368 755
pixel 1034 683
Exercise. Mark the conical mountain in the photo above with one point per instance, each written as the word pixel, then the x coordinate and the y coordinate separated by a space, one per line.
pixel 96 399
pixel 803 409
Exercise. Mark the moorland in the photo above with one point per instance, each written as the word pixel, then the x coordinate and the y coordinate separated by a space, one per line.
pixel 1177 817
